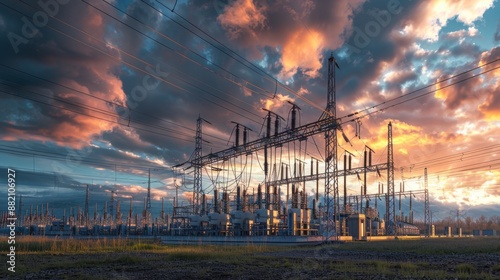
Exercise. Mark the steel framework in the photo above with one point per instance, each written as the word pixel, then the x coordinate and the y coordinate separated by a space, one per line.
pixel 332 181
pixel 390 202
pixel 327 124
pixel 427 210
pixel 197 166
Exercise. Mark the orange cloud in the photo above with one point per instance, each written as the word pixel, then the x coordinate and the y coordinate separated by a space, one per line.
pixel 433 15
pixel 77 130
pixel 241 15
pixel 86 71
pixel 298 30
pixel 473 189
pixel 302 50
pixel 276 103
pixel 188 196
pixel 490 108
pixel 404 135
pixel 135 190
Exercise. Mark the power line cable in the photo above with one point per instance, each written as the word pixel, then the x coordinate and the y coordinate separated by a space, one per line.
pixel 426 93
pixel 153 75
pixel 262 72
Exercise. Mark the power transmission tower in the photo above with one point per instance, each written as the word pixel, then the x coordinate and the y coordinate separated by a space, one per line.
pixel 86 213
pixel 427 210
pixel 332 183
pixel 390 206
pixel 112 206
pixel 148 199
pixel 197 163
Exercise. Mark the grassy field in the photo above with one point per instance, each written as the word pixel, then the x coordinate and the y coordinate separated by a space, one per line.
pixel 52 258
pixel 434 246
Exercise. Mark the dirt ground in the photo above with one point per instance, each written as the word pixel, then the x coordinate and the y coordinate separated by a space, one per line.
pixel 312 262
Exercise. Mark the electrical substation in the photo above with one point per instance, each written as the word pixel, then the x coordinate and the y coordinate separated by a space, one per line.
pixel 261 211
pixel 291 203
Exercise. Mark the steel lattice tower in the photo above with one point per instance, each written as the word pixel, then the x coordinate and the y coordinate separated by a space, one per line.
pixel 86 213
pixel 332 183
pixel 391 219
pixel 198 165
pixel 148 199
pixel 427 210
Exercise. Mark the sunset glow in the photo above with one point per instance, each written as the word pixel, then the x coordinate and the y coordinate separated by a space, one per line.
pixel 104 94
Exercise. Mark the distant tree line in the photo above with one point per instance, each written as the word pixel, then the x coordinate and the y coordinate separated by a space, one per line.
pixel 467 223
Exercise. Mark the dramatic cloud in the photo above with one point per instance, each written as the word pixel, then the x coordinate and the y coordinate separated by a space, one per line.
pixel 302 32
pixel 491 106
pixel 79 80
pixel 430 16
pixel 108 91
pixel 242 15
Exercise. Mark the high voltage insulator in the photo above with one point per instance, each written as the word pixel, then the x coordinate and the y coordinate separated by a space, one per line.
pixel 225 202
pixel 294 114
pixel 268 197
pixel 216 201
pixel 259 196
pixel 238 198
pixel 203 204
pixel 268 126
pixel 245 136
pixel 237 134
pixel 237 142
pixel 266 168
pixel 276 126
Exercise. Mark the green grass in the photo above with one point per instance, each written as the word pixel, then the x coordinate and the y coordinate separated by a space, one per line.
pixel 465 269
pixel 35 244
pixel 432 246
pixel 407 269
pixel 125 254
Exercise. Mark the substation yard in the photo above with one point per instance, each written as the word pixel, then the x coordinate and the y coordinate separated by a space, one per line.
pixel 437 258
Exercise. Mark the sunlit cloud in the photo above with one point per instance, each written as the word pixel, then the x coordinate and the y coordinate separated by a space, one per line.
pixel 432 16
pixel 242 15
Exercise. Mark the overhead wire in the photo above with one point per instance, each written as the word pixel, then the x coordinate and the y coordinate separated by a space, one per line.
pixel 485 150
pixel 105 100
pixel 90 108
pixel 262 72
pixel 422 94
pixel 141 70
pixel 99 51
pixel 209 62
pixel 50 155
pixel 42 172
